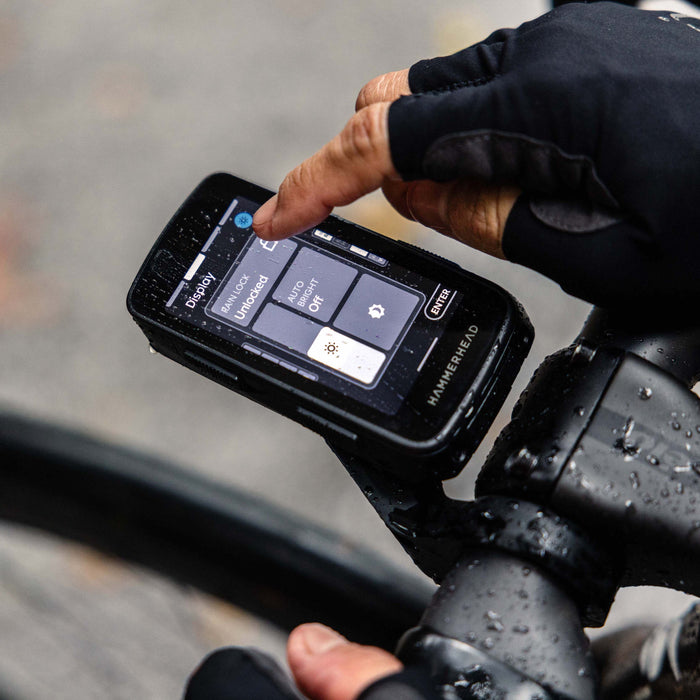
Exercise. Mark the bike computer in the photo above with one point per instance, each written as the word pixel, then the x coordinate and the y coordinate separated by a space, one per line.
pixel 386 350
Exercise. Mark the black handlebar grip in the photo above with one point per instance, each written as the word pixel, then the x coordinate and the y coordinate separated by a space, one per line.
pixel 669 343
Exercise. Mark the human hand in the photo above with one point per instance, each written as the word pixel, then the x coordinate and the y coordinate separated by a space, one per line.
pixel 358 161
pixel 326 666
pixel 591 110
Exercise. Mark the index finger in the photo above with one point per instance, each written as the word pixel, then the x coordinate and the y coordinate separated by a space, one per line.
pixel 356 162
pixel 384 88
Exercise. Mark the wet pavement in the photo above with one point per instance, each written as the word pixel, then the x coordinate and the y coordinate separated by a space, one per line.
pixel 111 112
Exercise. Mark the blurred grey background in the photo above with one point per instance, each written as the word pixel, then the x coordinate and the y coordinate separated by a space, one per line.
pixel 111 112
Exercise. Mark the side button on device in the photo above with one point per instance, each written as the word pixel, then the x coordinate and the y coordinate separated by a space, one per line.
pixel 324 424
pixel 211 367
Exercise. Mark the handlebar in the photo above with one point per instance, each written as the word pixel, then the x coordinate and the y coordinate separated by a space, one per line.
pixel 668 343
pixel 605 439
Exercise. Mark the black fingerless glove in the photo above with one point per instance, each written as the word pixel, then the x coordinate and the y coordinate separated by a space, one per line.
pixel 594 111
pixel 409 684
pixel 240 673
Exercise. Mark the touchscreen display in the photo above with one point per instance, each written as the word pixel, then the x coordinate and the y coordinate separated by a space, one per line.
pixel 317 306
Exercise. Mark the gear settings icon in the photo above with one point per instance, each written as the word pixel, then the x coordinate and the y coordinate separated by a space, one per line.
pixel 376 311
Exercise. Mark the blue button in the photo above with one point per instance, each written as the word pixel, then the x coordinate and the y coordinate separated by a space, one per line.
pixel 243 220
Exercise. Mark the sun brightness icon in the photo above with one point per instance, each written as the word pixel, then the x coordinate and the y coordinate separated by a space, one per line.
pixel 331 348
pixel 376 311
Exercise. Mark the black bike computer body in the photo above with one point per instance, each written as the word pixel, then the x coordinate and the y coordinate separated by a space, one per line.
pixel 386 350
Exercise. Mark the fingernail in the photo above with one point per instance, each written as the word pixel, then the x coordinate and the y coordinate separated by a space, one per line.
pixel 319 639
pixel 264 215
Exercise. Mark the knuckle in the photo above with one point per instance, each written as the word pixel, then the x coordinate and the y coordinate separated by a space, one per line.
pixel 365 132
pixel 294 180
pixel 368 93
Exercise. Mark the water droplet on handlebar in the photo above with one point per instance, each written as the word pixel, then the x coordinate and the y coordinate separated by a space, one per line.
pixel 494 621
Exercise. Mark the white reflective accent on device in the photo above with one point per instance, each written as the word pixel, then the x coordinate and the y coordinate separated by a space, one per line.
pixel 378 260
pixel 228 213
pixel 195 266
pixel 211 238
pixel 307 375
pixel 175 294
pixel 427 355
pixel 358 251
pixel 323 235
pixel 346 355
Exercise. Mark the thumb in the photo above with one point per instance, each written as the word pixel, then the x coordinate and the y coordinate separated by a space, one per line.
pixel 328 667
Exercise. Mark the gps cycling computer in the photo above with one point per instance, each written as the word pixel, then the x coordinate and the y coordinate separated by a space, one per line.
pixel 388 351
